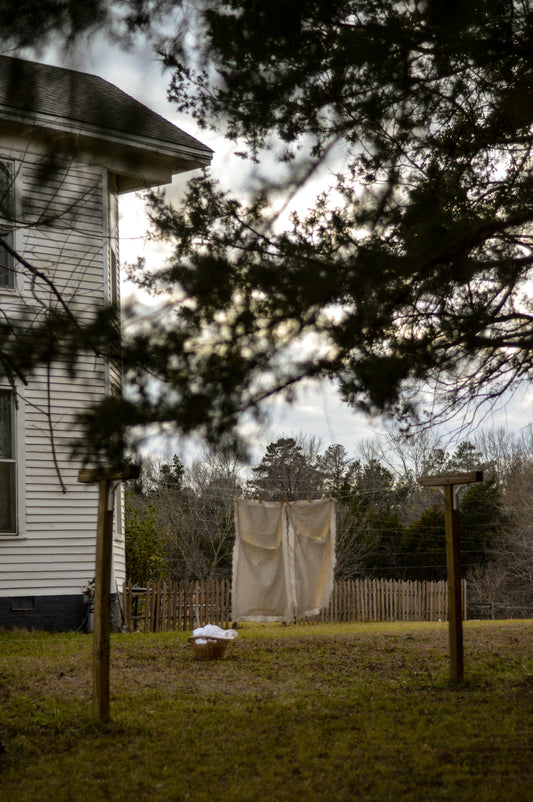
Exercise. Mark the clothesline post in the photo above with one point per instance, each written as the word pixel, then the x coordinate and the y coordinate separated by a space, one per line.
pixel 107 480
pixel 449 482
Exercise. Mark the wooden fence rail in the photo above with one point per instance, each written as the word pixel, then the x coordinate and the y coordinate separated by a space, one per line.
pixel 162 606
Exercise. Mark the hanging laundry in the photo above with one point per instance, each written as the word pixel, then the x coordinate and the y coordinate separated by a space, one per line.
pixel 283 559
pixel 312 535
pixel 260 580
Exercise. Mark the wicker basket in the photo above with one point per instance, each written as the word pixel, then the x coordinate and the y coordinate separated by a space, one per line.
pixel 208 648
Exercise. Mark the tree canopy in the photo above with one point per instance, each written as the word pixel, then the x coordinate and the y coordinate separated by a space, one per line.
pixel 413 269
pixel 410 272
pixel 386 524
pixel 289 469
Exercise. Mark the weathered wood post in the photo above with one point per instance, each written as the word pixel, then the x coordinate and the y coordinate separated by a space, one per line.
pixel 453 563
pixel 107 480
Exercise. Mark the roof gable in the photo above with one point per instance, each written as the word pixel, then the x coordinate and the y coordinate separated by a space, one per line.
pixel 59 98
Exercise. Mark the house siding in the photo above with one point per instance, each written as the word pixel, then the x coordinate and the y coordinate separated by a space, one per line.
pixel 67 228
pixel 63 232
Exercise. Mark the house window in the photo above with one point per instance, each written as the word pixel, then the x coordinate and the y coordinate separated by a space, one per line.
pixel 112 224
pixel 114 278
pixel 7 215
pixel 8 505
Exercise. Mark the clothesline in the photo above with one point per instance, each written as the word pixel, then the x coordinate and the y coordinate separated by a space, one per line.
pixel 303 495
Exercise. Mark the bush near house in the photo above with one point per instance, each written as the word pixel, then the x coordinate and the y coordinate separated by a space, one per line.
pixel 146 557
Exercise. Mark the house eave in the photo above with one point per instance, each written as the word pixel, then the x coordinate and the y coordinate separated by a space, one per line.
pixel 139 162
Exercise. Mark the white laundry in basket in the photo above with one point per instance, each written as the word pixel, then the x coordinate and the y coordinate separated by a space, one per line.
pixel 212 631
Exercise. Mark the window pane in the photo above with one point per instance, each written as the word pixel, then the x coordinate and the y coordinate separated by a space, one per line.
pixel 6 426
pixel 7 276
pixel 5 191
pixel 6 215
pixel 8 521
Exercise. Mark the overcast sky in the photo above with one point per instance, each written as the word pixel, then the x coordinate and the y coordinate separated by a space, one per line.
pixel 318 411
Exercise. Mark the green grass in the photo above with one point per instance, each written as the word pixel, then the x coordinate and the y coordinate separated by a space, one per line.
pixel 321 712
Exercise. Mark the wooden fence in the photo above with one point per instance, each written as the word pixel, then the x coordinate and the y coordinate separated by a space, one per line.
pixel 389 600
pixel 163 606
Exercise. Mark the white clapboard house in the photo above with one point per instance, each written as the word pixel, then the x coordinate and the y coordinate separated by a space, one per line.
pixel 70 144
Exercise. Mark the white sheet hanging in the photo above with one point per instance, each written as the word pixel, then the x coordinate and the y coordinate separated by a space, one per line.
pixel 312 533
pixel 260 589
pixel 283 559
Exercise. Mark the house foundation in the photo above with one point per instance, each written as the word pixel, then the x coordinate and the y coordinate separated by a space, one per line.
pixel 53 613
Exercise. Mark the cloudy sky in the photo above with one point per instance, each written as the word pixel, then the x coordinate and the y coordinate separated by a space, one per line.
pixel 318 410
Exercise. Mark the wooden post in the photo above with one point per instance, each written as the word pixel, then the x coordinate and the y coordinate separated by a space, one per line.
pixel 453 572
pixel 453 564
pixel 107 479
pixel 102 598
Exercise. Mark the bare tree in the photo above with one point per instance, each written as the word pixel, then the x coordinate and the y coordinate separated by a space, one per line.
pixel 194 509
pixel 515 552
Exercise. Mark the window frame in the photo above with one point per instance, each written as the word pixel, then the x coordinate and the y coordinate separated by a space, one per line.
pixel 7 228
pixel 13 460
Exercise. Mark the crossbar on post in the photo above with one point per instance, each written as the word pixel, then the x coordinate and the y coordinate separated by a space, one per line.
pixel 453 563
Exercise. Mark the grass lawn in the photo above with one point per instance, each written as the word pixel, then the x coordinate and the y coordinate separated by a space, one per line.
pixel 317 712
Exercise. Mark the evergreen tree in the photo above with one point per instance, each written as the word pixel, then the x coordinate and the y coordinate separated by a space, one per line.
pixel 338 469
pixel 172 474
pixel 371 525
pixel 414 268
pixel 423 548
pixel 482 523
pixel 424 244
pixel 466 458
pixel 286 471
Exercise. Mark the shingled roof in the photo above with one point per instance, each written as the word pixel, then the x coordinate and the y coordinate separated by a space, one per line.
pixel 55 98
pixel 85 98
